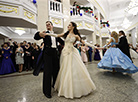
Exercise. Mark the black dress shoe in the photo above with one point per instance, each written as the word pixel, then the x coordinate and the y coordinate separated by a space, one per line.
pixel 48 96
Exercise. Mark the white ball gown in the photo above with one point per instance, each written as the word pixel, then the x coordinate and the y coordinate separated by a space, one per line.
pixel 73 79
pixel 133 54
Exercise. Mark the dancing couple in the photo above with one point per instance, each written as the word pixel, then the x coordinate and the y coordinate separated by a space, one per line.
pixel 117 58
pixel 71 80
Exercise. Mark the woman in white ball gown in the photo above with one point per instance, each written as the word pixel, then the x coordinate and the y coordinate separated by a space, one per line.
pixel 73 79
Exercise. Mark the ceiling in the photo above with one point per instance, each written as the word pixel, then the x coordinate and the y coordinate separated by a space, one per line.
pixel 117 13
pixel 79 2
pixel 2 36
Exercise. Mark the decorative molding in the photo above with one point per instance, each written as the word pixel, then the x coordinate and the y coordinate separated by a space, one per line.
pixel 8 9
pixel 56 21
pixel 29 15
pixel 89 25
pixel 105 35
pixel 79 24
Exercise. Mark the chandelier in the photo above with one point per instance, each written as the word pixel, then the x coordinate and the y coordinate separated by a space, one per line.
pixel 19 31
pixel 133 7
pixel 126 23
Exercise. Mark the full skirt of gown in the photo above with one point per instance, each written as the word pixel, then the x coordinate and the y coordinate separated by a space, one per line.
pixel 133 54
pixel 73 79
pixel 115 58
pixel 7 66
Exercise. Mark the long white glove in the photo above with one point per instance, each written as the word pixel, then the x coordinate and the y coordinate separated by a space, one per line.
pixel 105 46
pixel 54 35
pixel 88 44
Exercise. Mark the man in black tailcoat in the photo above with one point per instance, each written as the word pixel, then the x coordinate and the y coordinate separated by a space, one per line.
pixel 50 59
pixel 123 44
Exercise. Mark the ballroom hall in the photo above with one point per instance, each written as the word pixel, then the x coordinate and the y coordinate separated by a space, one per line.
pixel 68 50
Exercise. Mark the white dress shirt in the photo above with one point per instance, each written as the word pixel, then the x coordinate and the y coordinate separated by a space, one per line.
pixel 53 40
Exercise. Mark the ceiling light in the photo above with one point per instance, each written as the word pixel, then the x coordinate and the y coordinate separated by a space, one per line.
pixel 126 23
pixel 20 32
pixel 133 7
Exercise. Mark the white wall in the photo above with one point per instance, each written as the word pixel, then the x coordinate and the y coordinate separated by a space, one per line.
pixel 133 37
pixel 1 42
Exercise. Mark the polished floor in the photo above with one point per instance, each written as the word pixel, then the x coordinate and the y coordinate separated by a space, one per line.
pixel 24 87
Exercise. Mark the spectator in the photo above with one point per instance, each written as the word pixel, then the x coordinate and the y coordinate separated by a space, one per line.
pixel 19 57
pixel 7 64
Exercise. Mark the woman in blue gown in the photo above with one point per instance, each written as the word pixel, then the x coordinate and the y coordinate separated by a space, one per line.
pixel 7 64
pixel 114 59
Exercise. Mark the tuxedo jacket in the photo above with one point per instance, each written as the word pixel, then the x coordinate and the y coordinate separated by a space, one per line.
pixel 123 46
pixel 47 44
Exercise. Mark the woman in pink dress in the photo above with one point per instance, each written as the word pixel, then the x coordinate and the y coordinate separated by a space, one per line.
pixel 83 53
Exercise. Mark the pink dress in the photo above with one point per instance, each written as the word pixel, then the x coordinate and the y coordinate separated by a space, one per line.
pixel 83 53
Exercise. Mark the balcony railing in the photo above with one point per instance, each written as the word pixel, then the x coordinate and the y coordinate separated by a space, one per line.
pixel 75 11
pixel 55 6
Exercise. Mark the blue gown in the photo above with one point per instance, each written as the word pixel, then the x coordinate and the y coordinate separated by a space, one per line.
pixel 115 58
pixel 7 64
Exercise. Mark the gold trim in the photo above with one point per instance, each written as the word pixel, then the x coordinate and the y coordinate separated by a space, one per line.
pixel 56 21
pixel 105 35
pixel 19 28
pixel 28 15
pixel 79 24
pixel 88 25
pixel 13 9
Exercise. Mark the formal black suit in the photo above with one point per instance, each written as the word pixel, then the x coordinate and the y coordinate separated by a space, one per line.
pixel 51 63
pixel 123 46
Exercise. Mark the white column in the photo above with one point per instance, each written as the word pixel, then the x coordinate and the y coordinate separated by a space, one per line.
pixel 137 34
pixel 42 7
pixel 66 13
pixel 94 33
pixel 134 37
pixel 100 35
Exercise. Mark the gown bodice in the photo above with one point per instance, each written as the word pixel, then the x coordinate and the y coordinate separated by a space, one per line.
pixel 114 42
pixel 70 40
pixel 6 52
pixel 68 45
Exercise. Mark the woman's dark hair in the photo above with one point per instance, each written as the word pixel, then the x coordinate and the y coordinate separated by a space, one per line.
pixel 21 43
pixel 38 46
pixel 6 43
pixel 30 44
pixel 2 45
pixel 122 32
pixel 75 30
